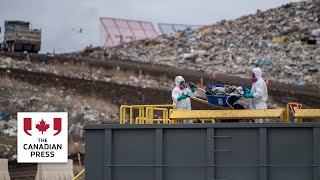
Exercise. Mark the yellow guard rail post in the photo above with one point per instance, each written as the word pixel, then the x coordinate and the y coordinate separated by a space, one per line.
pixel 79 175
pixel 150 115
pixel 142 112
pixel 307 114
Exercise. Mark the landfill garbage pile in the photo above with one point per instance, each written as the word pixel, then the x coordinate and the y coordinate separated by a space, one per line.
pixel 275 40
pixel 17 96
pixel 314 36
pixel 88 73
pixel 23 97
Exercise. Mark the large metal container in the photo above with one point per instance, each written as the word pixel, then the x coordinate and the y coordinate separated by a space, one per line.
pixel 237 151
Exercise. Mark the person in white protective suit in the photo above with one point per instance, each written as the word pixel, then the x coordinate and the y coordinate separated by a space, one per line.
pixel 181 95
pixel 259 92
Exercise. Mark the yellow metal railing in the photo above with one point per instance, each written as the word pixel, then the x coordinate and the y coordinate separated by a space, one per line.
pixel 207 120
pixel 165 116
pixel 313 114
pixel 145 113
pixel 79 175
pixel 209 115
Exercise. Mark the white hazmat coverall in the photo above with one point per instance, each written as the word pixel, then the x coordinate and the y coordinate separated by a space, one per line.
pixel 184 104
pixel 259 91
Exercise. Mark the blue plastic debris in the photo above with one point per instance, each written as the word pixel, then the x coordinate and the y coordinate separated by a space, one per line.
pixel 258 61
pixel 264 45
pixel 312 68
pixel 5 115
pixel 301 83
pixel 267 63
pixel 189 32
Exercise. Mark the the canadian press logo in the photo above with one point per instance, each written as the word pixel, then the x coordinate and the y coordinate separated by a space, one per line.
pixel 42 137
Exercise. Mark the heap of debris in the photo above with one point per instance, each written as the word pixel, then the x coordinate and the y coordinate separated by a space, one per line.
pixel 225 90
pixel 86 72
pixel 277 40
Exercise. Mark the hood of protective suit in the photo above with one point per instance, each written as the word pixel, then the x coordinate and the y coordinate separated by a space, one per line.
pixel 259 91
pixel 257 72
pixel 184 104
pixel 178 80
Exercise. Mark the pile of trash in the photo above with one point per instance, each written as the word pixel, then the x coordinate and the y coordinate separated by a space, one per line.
pixel 86 72
pixel 277 40
pixel 226 90
pixel 23 97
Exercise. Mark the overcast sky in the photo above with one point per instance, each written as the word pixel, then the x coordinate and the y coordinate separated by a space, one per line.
pixel 61 20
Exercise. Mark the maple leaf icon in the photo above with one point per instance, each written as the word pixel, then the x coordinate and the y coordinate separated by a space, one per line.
pixel 42 126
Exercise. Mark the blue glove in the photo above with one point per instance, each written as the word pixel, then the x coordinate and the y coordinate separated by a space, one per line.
pixel 182 97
